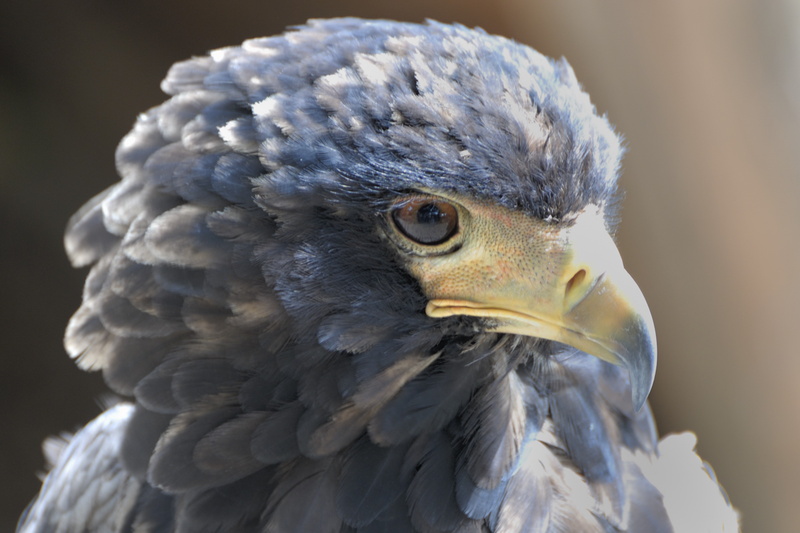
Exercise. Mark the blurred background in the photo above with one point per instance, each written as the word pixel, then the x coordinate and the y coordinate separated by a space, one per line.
pixel 707 95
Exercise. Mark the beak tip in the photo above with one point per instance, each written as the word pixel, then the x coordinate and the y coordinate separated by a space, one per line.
pixel 640 393
pixel 642 369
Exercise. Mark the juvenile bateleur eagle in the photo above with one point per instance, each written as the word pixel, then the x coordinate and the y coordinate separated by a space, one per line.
pixel 359 277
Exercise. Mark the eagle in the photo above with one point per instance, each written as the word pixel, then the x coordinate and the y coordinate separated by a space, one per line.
pixel 360 277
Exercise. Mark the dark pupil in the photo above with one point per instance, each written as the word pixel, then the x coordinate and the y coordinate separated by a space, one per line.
pixel 429 214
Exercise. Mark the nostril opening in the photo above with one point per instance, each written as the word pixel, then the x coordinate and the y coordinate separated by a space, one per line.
pixel 575 281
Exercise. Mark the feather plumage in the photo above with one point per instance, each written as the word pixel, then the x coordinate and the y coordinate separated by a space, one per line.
pixel 372 479
pixel 495 429
pixel 275 439
pixel 428 402
pixel 527 499
pixel 431 494
pixel 305 484
pixel 88 489
pixel 245 293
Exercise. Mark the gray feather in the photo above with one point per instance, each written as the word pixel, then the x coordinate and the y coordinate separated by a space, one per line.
pixel 88 490
pixel 237 506
pixel 495 429
pixel 431 494
pixel 181 237
pixel 172 466
pixel 474 501
pixel 143 431
pixel 372 479
pixel 351 419
pixel 527 499
pixel 304 485
pixel 87 239
pixel 275 439
pixel 154 391
pixel 428 402
pixel 225 451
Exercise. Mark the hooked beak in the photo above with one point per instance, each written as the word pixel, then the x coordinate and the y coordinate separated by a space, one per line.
pixel 565 284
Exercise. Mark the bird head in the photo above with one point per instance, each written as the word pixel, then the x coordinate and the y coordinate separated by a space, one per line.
pixel 449 184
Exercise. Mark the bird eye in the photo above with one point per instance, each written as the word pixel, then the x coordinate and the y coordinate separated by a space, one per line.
pixel 426 220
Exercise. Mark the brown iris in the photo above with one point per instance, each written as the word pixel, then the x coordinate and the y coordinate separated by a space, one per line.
pixel 428 221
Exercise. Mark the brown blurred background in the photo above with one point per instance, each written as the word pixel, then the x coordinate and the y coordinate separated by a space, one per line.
pixel 707 94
